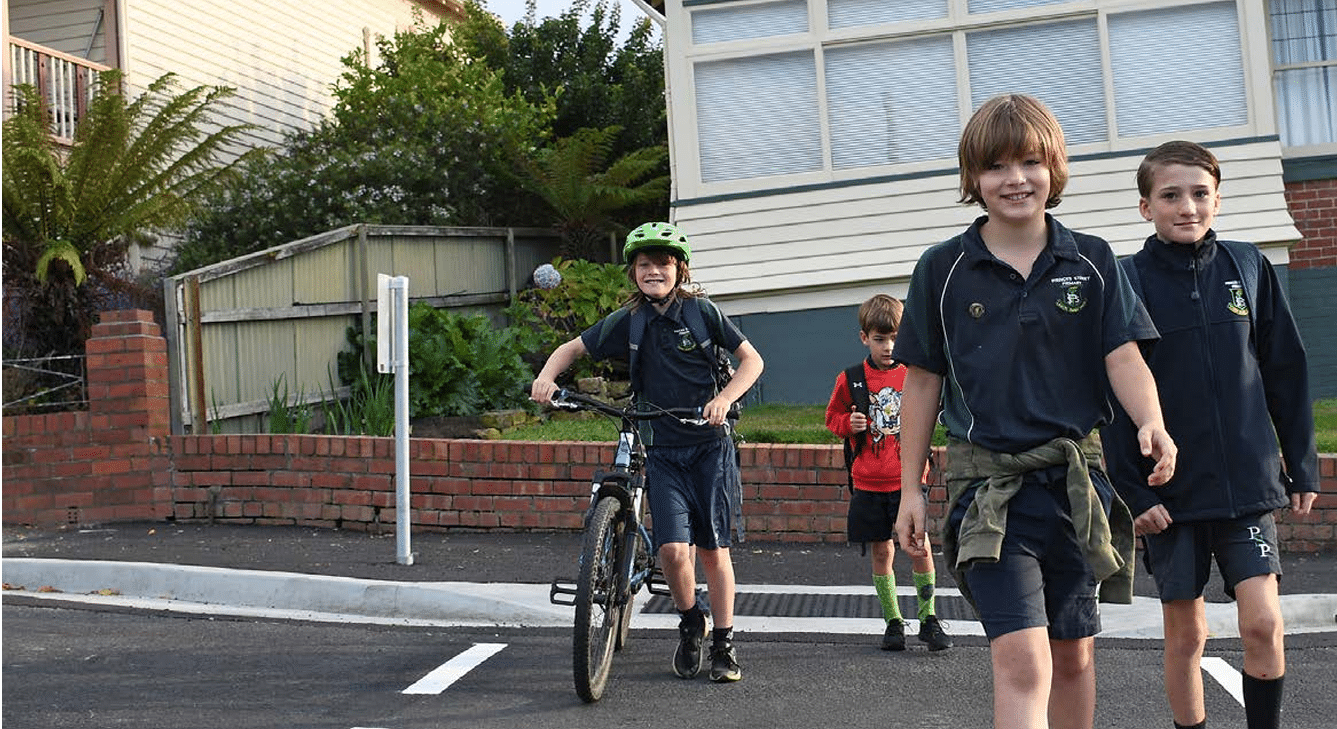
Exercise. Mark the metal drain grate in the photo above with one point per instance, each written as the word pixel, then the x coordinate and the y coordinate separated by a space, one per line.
pixel 808 605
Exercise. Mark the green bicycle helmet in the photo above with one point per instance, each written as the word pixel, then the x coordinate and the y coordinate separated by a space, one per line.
pixel 659 236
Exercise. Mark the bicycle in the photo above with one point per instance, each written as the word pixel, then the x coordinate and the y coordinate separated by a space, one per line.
pixel 617 556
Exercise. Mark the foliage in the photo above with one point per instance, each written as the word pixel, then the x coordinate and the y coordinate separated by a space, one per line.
pixel 1325 425
pixel 574 178
pixel 609 106
pixel 370 407
pixel 542 319
pixel 285 417
pixel 458 364
pixel 597 84
pixel 70 215
pixel 428 136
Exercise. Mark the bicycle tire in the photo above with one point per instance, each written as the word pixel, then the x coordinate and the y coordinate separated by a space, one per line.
pixel 597 613
pixel 637 550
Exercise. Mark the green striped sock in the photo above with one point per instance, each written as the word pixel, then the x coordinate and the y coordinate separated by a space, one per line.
pixel 886 594
pixel 924 590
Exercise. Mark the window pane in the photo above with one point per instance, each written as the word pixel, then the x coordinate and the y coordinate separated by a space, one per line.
pixel 750 21
pixel 892 102
pixel 1148 48
pixel 990 6
pixel 758 116
pixel 849 13
pixel 1307 106
pixel 1024 60
pixel 1304 31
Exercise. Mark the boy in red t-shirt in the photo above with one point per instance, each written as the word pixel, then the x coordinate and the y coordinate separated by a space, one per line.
pixel 876 471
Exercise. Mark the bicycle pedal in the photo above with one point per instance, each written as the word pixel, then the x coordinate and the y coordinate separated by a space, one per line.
pixel 562 592
pixel 655 583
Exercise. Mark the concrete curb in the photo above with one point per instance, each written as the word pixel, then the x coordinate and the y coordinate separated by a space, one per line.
pixel 290 595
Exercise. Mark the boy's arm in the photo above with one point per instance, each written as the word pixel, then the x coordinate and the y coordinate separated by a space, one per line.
pixel 750 365
pixel 545 384
pixel 1285 370
pixel 838 409
pixel 1135 388
pixel 920 397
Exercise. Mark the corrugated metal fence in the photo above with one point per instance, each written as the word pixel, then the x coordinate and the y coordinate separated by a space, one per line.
pixel 235 328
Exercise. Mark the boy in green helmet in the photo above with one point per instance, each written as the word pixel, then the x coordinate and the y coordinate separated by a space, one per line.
pixel 691 471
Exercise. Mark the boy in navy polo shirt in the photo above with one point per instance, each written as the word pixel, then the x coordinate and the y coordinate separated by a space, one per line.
pixel 691 472
pixel 1232 373
pixel 1019 328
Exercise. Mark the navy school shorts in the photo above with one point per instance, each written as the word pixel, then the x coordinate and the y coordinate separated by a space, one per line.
pixel 695 494
pixel 1180 558
pixel 872 516
pixel 1041 578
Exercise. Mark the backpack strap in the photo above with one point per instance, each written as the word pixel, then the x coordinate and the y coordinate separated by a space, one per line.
pixel 1245 257
pixel 857 385
pixel 635 333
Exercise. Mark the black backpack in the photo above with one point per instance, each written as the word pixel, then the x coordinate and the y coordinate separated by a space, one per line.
pixel 695 310
pixel 857 385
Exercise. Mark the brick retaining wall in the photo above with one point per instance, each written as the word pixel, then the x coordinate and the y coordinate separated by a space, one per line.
pixel 118 462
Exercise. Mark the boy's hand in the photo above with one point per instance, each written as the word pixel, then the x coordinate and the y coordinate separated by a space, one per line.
pixel 716 410
pixel 1301 503
pixel 1157 444
pixel 858 420
pixel 542 390
pixel 1152 521
pixel 910 522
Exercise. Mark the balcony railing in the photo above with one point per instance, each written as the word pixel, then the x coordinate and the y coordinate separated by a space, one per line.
pixel 66 82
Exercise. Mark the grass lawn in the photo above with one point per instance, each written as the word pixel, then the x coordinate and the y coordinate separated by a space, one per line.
pixel 780 423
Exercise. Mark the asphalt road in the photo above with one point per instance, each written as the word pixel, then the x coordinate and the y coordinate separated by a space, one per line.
pixel 88 668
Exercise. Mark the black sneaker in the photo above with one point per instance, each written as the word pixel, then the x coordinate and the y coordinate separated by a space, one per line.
pixel 894 638
pixel 931 632
pixel 724 666
pixel 687 660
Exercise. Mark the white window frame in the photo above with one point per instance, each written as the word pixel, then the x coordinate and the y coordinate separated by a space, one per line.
pixel 681 55
pixel 1293 151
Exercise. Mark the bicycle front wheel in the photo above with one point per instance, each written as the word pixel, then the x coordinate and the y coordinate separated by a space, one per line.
pixel 598 616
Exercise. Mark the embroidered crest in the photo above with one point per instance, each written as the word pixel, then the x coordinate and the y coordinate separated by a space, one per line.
pixel 1238 304
pixel 685 341
pixel 1071 298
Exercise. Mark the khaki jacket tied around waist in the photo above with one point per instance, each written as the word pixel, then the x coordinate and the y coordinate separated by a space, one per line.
pixel 1107 543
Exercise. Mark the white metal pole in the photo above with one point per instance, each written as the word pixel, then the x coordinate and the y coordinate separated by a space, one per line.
pixel 404 552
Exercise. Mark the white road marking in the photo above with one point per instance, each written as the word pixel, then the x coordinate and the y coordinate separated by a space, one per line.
pixel 1228 677
pixel 453 670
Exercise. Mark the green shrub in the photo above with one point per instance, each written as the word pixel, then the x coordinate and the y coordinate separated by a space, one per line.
pixel 543 319
pixel 285 418
pixel 458 364
pixel 370 407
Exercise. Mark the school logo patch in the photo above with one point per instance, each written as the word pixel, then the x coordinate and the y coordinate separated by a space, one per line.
pixel 685 341
pixel 1238 304
pixel 1071 293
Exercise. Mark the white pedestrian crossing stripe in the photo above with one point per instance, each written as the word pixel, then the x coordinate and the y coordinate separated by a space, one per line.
pixel 453 670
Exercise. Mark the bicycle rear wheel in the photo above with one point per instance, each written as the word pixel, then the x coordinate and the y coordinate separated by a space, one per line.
pixel 597 614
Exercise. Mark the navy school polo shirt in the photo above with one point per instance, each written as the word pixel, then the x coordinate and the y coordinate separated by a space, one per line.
pixel 1023 362
pixel 675 373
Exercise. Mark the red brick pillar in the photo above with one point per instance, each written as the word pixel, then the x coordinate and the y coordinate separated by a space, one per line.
pixel 129 409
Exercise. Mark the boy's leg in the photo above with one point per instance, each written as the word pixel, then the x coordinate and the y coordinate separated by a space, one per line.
pixel 1262 631
pixel 1072 697
pixel 1185 638
pixel 930 628
pixel 676 561
pixel 884 582
pixel 1022 670
pixel 718 566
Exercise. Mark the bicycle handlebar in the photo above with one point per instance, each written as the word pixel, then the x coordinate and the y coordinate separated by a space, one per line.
pixel 568 400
